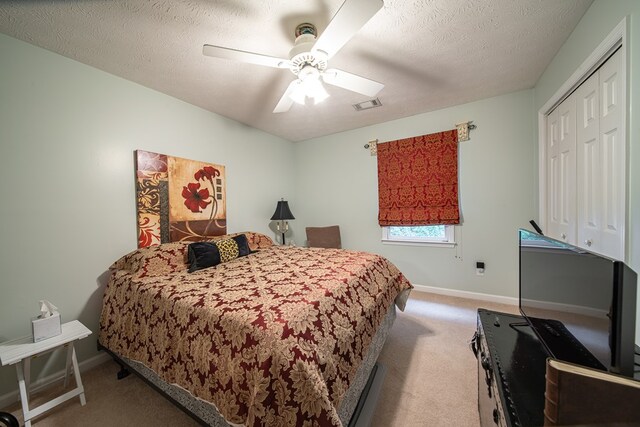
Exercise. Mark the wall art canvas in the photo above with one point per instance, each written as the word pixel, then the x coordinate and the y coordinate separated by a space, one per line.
pixel 178 199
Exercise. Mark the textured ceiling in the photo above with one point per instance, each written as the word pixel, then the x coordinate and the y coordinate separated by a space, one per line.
pixel 430 54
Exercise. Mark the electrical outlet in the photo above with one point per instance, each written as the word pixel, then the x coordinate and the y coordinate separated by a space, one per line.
pixel 480 268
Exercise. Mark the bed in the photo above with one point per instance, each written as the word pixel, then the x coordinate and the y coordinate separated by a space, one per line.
pixel 283 336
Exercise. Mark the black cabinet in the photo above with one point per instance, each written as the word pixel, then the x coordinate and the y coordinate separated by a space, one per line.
pixel 511 369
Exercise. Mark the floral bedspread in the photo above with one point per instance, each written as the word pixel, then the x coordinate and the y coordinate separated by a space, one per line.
pixel 273 338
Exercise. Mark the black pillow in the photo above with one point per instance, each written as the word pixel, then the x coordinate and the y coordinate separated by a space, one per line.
pixel 208 254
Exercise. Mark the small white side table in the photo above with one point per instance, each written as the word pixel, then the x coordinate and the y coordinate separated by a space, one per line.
pixel 20 352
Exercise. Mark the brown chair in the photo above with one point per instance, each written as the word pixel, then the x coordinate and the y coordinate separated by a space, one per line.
pixel 324 237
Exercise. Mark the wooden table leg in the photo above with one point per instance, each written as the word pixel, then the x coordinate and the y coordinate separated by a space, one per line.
pixel 27 375
pixel 23 386
pixel 67 367
pixel 76 372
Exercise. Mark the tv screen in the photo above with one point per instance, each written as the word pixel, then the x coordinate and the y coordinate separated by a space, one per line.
pixel 580 304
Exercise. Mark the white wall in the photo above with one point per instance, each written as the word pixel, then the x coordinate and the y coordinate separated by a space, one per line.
pixel 337 184
pixel 67 136
pixel 601 18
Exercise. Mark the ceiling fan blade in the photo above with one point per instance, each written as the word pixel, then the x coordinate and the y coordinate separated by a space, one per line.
pixel 286 101
pixel 352 82
pixel 351 16
pixel 242 56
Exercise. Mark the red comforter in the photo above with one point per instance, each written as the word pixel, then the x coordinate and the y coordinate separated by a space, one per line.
pixel 273 338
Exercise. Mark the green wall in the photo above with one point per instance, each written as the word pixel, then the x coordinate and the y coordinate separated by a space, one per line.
pixel 67 136
pixel 601 18
pixel 337 180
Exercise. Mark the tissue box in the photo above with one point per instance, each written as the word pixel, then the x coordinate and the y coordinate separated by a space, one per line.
pixel 46 327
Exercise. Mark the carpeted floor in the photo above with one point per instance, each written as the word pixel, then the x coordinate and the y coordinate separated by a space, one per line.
pixel 431 377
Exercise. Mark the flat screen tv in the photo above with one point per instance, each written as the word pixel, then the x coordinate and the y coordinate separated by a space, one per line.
pixel 581 305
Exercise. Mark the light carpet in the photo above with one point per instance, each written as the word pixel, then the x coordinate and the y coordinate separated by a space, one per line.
pixel 431 377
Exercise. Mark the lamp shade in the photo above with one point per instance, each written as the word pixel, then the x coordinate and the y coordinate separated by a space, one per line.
pixel 282 211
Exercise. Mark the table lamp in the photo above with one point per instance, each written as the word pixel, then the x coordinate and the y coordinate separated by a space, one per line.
pixel 282 214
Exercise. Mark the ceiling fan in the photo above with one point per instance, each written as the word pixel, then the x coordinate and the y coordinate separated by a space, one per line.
pixel 308 57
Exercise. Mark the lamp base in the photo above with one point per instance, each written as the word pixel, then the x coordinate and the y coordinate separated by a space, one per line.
pixel 283 243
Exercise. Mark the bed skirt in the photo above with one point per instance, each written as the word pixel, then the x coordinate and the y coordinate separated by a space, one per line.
pixel 207 414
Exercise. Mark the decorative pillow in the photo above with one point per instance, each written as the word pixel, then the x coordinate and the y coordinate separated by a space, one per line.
pixel 159 260
pixel 209 254
pixel 256 241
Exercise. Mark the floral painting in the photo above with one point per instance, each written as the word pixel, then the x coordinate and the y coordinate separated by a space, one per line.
pixel 178 199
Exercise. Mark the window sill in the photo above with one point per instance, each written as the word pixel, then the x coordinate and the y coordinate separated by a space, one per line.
pixel 413 243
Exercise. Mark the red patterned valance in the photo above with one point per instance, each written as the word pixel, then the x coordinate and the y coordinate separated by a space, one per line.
pixel 418 180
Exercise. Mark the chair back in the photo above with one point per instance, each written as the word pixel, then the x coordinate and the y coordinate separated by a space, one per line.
pixel 324 237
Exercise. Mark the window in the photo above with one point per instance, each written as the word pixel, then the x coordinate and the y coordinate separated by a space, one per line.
pixel 424 234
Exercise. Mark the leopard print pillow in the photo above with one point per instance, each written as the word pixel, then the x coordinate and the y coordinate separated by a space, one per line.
pixel 209 254
pixel 228 249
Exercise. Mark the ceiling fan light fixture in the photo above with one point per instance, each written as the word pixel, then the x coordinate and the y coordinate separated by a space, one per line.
pixel 318 93
pixel 315 91
pixel 313 87
pixel 298 95
pixel 309 85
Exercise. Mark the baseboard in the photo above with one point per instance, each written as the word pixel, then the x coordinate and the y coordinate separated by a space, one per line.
pixel 14 396
pixel 466 294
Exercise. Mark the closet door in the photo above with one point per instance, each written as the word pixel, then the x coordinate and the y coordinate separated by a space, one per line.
pixel 588 168
pixel 553 172
pixel 561 167
pixel 601 161
pixel 612 158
